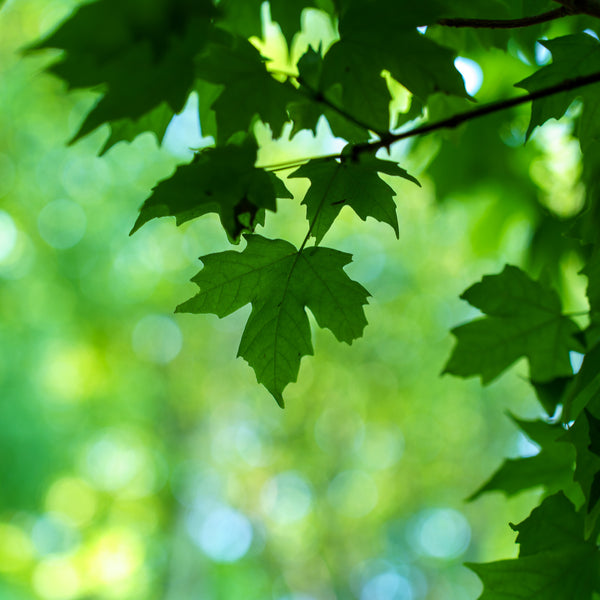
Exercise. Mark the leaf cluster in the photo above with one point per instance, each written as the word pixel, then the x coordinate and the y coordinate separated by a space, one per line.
pixel 146 57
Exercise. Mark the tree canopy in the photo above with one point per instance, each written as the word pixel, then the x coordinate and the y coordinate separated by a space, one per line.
pixel 306 107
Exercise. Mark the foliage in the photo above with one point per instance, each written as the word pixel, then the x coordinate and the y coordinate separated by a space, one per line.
pixel 379 82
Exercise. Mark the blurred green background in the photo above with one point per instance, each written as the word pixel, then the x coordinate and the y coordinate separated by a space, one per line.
pixel 140 460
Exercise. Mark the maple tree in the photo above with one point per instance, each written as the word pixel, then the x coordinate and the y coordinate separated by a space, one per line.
pixel 148 57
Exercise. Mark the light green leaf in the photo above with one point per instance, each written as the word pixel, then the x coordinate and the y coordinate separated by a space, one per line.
pixel 280 282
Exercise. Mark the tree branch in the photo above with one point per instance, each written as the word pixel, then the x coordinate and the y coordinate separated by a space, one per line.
pixel 551 15
pixel 488 109
pixel 450 123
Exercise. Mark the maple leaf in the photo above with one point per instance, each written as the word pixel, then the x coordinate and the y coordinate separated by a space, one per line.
pixel 222 180
pixel 551 468
pixel 385 38
pixel 584 434
pixel 242 17
pixel 147 60
pixel 524 319
pixel 313 101
pixel 156 121
pixel 280 282
pixel 352 182
pixel 572 56
pixel 287 14
pixel 555 562
pixel 586 384
pixel 249 89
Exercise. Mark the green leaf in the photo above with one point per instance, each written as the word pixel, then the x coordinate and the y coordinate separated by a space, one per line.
pixel 126 130
pixel 249 90
pixel 555 561
pixel 586 384
pixel 385 37
pixel 140 56
pixel 551 468
pixel 287 13
pixel 312 102
pixel 365 93
pixel 241 17
pixel 524 319
pixel 583 434
pixel 592 272
pixel 280 282
pixel 355 183
pixel 551 525
pixel 572 56
pixel 552 394
pixel 222 180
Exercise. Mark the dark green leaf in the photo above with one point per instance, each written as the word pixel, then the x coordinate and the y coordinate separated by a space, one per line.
pixel 242 17
pixel 354 183
pixel 555 562
pixel 157 121
pixel 222 180
pixel 586 385
pixel 551 468
pixel 313 102
pixel 524 319
pixel 139 58
pixel 280 282
pixel 573 56
pixel 249 90
pixel 287 13
pixel 583 435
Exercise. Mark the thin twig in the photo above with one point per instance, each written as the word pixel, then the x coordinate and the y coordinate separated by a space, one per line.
pixel 551 15
pixel 309 92
pixel 451 122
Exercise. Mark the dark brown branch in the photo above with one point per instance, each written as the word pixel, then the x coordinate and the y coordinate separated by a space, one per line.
pixel 551 15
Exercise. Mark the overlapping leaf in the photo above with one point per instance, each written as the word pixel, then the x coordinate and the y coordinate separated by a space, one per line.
pixel 572 56
pixel 385 37
pixel 555 561
pixel 249 90
pixel 552 468
pixel 287 13
pixel 584 434
pixel 351 182
pixel 524 318
pixel 314 101
pixel 222 180
pixel 280 282
pixel 141 54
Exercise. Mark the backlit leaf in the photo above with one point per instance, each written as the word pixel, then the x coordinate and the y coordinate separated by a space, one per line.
pixel 524 318
pixel 280 282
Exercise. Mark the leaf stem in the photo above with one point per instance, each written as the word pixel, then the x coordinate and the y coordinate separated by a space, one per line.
pixel 550 15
